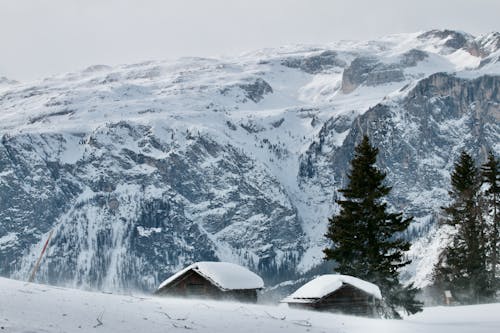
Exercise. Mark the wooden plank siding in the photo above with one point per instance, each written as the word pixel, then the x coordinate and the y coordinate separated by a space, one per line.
pixel 192 284
pixel 347 299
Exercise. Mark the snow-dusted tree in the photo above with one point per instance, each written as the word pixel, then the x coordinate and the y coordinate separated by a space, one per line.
pixel 462 266
pixel 366 238
pixel 491 180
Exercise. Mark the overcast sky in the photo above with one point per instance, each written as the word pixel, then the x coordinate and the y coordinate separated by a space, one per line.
pixel 43 37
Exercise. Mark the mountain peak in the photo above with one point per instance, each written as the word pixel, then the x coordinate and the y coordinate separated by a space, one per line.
pixel 6 81
pixel 143 168
pixel 452 39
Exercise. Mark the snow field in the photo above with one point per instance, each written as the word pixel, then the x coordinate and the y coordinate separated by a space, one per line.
pixel 26 307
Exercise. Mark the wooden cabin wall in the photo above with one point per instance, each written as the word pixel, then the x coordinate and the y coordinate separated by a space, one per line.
pixel 192 284
pixel 245 295
pixel 348 300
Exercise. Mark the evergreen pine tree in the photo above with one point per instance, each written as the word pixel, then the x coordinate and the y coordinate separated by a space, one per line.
pixel 365 236
pixel 491 178
pixel 462 267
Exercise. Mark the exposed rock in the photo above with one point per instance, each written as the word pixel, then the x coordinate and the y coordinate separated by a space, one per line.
pixel 278 122
pixel 142 169
pixel 454 39
pixel 413 57
pixel 449 112
pixel 113 221
pixel 317 63
pixel 490 42
pixel 369 71
pixel 255 91
pixel 4 81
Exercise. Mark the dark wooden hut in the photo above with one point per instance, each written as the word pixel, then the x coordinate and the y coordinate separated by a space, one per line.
pixel 337 293
pixel 215 280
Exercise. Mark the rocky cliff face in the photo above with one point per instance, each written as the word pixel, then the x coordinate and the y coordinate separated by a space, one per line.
pixel 418 135
pixel 143 169
pixel 134 203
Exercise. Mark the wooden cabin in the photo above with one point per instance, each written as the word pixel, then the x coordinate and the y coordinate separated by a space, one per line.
pixel 214 280
pixel 337 293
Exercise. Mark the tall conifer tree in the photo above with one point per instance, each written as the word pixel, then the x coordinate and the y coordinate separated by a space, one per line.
pixel 462 267
pixel 491 178
pixel 366 238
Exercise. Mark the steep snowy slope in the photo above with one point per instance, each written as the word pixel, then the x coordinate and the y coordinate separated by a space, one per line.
pixel 42 308
pixel 142 169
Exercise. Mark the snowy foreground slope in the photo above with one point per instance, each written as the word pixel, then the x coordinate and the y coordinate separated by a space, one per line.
pixel 40 308
pixel 143 169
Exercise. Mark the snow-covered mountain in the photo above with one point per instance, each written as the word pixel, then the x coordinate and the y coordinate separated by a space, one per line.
pixel 5 81
pixel 142 169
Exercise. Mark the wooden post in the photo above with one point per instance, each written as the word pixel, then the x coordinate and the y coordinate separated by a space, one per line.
pixel 32 277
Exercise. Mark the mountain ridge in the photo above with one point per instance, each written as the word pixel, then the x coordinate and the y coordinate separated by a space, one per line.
pixel 142 169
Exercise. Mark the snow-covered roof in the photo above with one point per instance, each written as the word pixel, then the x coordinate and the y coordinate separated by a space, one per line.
pixel 224 275
pixel 324 285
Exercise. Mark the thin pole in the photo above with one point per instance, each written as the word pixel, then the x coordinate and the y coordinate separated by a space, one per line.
pixel 32 277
